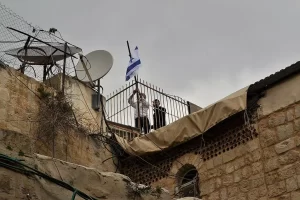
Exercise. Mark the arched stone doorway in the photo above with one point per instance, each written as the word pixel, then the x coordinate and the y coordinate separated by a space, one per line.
pixel 187 182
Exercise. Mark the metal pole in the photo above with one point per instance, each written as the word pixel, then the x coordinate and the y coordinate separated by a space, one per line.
pixel 45 73
pixel 64 69
pixel 137 96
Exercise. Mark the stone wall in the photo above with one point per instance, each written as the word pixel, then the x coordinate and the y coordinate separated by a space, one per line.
pixel 99 185
pixel 19 107
pixel 81 98
pixel 267 167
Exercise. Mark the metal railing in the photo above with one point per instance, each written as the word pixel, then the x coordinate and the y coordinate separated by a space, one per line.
pixel 120 112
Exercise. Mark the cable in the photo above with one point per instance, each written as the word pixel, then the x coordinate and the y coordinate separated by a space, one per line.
pixel 106 125
pixel 15 165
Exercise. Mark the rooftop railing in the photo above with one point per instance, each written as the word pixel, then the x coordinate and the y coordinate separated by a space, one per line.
pixel 119 111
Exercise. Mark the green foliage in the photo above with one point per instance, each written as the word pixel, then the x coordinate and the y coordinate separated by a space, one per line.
pixel 9 148
pixel 43 93
pixel 158 190
pixel 21 153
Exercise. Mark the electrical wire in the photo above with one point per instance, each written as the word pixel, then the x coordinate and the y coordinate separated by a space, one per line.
pixel 16 165
pixel 113 147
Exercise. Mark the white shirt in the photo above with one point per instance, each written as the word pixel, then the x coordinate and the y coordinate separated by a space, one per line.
pixel 144 107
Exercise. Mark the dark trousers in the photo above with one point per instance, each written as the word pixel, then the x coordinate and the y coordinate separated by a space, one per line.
pixel 144 123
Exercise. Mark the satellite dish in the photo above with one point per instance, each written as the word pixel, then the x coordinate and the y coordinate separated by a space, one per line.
pixel 98 64
pixel 41 55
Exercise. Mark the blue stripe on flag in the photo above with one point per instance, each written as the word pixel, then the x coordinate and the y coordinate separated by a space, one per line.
pixel 133 65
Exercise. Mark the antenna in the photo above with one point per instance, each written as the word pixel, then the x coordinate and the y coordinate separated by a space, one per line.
pixel 42 55
pixel 94 66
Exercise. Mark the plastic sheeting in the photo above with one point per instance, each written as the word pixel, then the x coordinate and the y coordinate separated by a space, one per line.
pixel 187 127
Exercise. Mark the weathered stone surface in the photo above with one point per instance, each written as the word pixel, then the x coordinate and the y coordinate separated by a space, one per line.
pixel 252 145
pixel 218 183
pixel 223 194
pixel 214 173
pixel 285 145
pixel 256 155
pixel 297 167
pixel 214 196
pixel 203 176
pixel 245 186
pixel 271 164
pixel 6 184
pixel 246 172
pixel 229 168
pixel 263 124
pixel 208 187
pixel 262 190
pixel 228 156
pixel 276 189
pixel 201 168
pixel 264 198
pixel 253 194
pixel 257 180
pixel 240 150
pixel 277 119
pixel 297 125
pixel 289 157
pixel 272 177
pixel 232 191
pixel 269 152
pixel 218 160
pixel 210 164
pixel 285 197
pixel 100 185
pixel 297 111
pixel 267 138
pixel 296 194
pixel 237 176
pixel 242 196
pixel 285 131
pixel 238 163
pixel 5 94
pixel 290 114
pixel 286 172
pixel 257 167
pixel 227 180
pixel 291 184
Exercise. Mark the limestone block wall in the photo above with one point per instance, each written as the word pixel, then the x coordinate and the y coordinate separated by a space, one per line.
pixel 96 184
pixel 267 167
pixel 19 106
pixel 81 97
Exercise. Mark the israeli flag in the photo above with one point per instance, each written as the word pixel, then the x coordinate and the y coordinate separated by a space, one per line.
pixel 134 65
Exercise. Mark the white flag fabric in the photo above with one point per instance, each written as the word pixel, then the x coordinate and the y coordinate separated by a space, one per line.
pixel 134 65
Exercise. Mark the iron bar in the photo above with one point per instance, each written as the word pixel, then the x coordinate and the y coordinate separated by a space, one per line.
pixel 41 41
pixel 64 69
pixel 123 114
pixel 126 104
pixel 163 93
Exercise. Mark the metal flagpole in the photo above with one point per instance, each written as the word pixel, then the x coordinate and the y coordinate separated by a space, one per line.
pixel 136 87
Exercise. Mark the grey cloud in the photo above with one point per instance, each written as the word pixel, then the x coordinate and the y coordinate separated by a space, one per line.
pixel 201 51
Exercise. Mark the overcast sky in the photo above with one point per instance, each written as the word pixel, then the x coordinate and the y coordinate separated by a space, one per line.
pixel 198 50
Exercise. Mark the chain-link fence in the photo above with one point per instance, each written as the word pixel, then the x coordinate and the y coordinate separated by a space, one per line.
pixel 19 38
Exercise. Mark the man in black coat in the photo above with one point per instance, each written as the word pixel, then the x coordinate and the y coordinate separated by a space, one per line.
pixel 159 115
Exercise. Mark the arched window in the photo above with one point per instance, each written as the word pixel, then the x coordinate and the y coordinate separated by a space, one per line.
pixel 187 182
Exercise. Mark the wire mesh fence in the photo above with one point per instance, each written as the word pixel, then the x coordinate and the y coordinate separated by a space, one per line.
pixel 11 40
pixel 119 111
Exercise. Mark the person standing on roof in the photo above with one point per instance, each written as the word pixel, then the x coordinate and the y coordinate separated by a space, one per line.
pixel 159 115
pixel 143 108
